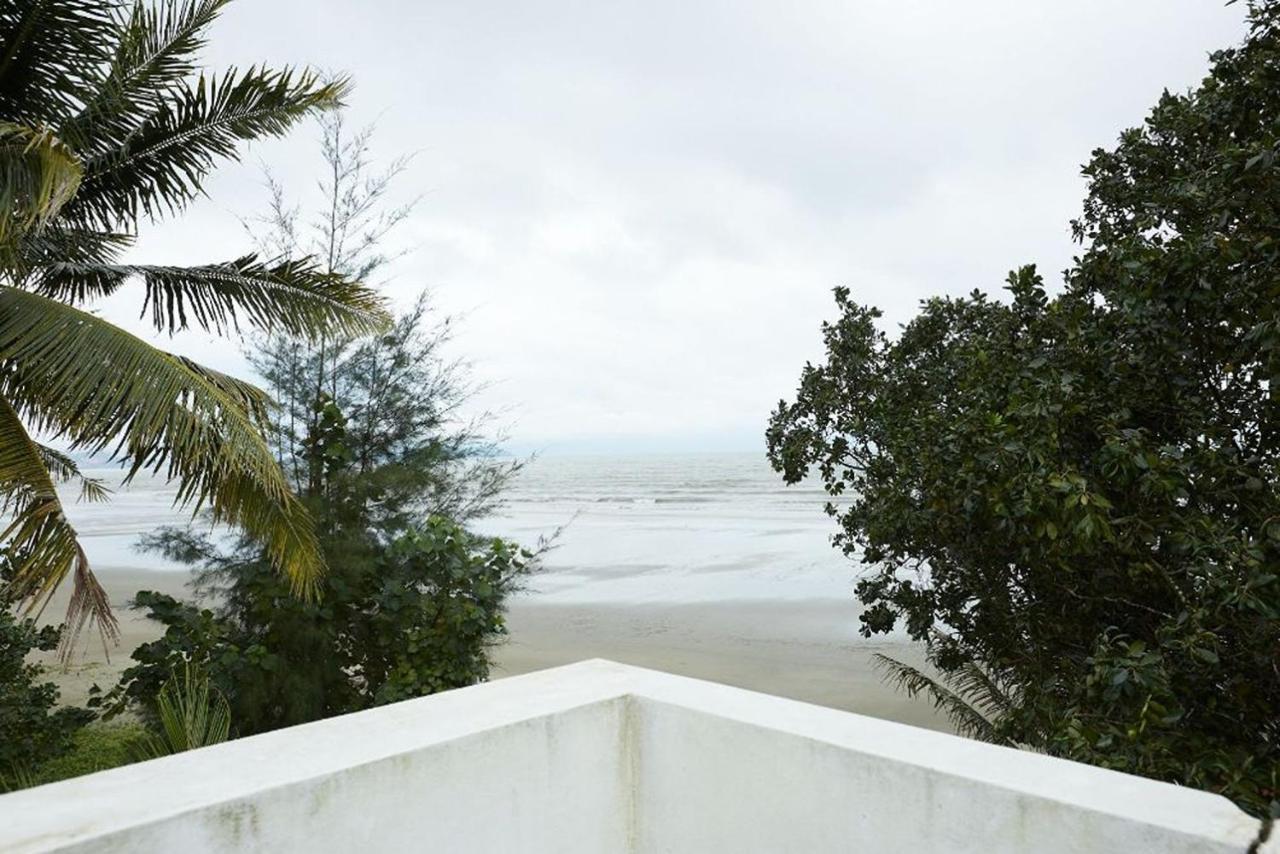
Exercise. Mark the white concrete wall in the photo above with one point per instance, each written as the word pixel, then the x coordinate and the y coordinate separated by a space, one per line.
pixel 466 771
pixel 803 780
pixel 597 757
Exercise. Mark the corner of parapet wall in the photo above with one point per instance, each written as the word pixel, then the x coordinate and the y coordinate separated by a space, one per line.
pixel 629 769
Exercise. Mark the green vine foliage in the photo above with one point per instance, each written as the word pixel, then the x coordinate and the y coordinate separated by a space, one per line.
pixel 1078 491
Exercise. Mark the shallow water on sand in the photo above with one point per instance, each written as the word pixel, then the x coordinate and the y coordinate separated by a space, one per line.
pixel 110 530
pixel 675 528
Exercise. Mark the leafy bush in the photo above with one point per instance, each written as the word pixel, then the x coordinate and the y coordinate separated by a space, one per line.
pixel 1075 499
pixel 417 618
pixel 97 747
pixel 33 728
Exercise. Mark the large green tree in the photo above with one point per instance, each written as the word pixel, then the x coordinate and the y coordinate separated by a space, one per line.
pixel 105 123
pixel 1074 499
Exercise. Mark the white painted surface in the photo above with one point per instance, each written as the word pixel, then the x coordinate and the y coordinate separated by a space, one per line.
pixel 599 757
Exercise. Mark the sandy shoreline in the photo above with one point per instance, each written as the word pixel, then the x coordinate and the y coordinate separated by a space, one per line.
pixel 803 649
pixel 797 649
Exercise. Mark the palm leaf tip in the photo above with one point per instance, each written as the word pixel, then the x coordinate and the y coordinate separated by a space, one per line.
pixel 90 605
pixel 62 468
pixel 334 92
pixel 294 549
pixel 963 714
pixel 41 543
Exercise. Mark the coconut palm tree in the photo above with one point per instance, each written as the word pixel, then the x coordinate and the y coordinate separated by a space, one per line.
pixel 105 124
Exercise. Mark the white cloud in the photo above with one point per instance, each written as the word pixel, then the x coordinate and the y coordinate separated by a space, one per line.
pixel 641 207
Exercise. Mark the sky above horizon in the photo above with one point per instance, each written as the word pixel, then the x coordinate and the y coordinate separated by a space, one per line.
pixel 638 210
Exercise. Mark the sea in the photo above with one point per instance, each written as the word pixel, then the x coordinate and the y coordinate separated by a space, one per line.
pixel 653 528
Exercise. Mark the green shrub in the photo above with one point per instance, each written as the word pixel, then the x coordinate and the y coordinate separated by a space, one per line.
pixel 96 747
pixel 33 729
pixel 416 616
pixel 189 714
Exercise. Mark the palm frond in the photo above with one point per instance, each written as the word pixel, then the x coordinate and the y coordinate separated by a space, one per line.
pixel 155 49
pixel 984 687
pixel 89 604
pixel 191 714
pixel 38 175
pixel 77 377
pixel 294 296
pixel 160 166
pixel 62 468
pixel 61 243
pixel 41 542
pixel 105 121
pixel 981 690
pixel 254 401
pixel 964 716
pixel 50 50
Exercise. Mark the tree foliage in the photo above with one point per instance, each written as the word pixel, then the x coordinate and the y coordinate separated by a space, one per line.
pixel 379 423
pixel 33 728
pixel 106 122
pixel 1079 492
pixel 372 435
pixel 403 619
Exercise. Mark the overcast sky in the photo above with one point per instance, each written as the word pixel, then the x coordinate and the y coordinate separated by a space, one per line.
pixel 642 207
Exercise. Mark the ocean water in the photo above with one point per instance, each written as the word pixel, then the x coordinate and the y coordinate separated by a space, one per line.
pixel 109 531
pixel 675 528
pixel 632 529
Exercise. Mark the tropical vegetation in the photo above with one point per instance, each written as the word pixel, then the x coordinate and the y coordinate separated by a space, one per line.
pixel 190 714
pixel 371 434
pixel 33 727
pixel 106 124
pixel 1072 496
pixel 92 748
